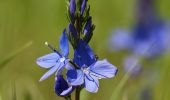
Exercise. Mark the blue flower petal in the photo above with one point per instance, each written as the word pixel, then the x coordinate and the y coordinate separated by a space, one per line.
pixel 50 72
pixel 91 83
pixel 75 77
pixel 69 66
pixel 64 45
pixel 66 92
pixel 48 60
pixel 61 86
pixel 103 69
pixel 83 54
pixel 63 64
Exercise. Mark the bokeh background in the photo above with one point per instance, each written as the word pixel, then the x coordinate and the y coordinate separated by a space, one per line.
pixel 37 21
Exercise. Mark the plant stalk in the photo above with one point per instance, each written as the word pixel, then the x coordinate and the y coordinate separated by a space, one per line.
pixel 77 95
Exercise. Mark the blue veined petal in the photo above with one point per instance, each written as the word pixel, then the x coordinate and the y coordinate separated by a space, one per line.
pixel 64 45
pixel 50 72
pixel 48 60
pixel 75 77
pixel 83 54
pixel 61 86
pixel 103 69
pixel 91 83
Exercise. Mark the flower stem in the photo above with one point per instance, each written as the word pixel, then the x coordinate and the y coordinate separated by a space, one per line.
pixel 77 95
pixel 68 97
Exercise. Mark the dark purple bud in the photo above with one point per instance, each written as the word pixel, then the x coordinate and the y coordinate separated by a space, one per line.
pixel 61 87
pixel 72 8
pixel 83 6
pixel 88 30
pixel 72 31
pixel 88 26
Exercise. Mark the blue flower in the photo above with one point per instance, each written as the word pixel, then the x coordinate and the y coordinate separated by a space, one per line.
pixel 90 70
pixel 142 41
pixel 149 34
pixel 89 75
pixel 55 61
pixel 61 86
pixel 153 40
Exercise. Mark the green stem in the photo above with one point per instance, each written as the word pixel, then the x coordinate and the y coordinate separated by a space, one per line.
pixel 77 95
pixel 68 97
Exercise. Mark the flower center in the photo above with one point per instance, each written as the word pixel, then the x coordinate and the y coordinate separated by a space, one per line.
pixel 62 59
pixel 85 70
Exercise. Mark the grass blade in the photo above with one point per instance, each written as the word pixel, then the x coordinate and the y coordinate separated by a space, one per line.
pixel 11 56
pixel 125 78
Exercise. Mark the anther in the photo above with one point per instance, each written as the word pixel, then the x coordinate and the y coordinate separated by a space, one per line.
pixel 46 43
pixel 53 49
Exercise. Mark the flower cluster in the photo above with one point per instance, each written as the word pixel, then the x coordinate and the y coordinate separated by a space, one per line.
pixel 149 32
pixel 149 37
pixel 85 68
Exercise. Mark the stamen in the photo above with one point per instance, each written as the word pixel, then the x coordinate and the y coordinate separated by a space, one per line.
pixel 46 43
pixel 62 59
pixel 53 49
pixel 85 70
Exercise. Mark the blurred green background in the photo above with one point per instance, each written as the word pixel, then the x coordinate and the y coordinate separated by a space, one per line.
pixel 37 21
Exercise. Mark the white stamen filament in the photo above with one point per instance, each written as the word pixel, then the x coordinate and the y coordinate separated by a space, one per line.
pixel 62 59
